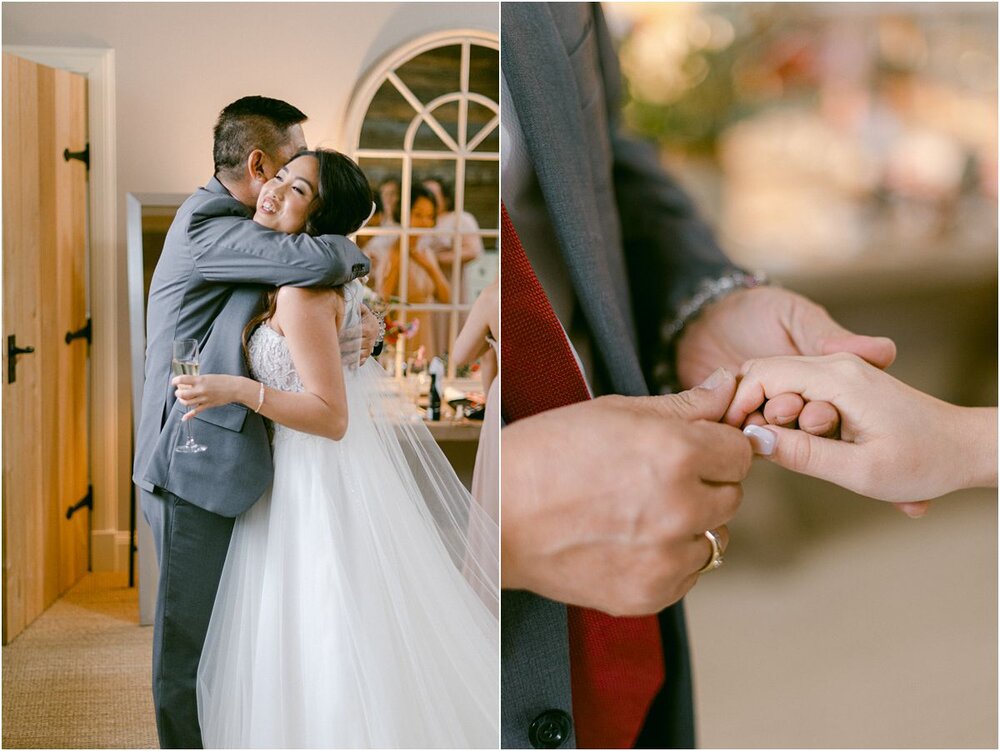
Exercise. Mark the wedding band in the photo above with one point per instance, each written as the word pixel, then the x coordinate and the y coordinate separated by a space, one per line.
pixel 716 560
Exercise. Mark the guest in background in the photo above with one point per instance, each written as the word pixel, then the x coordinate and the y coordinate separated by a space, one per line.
pixel 376 247
pixel 479 339
pixel 449 221
pixel 426 283
pixel 377 219
pixel 388 193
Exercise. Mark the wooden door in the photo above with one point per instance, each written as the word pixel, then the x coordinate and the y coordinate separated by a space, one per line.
pixel 45 449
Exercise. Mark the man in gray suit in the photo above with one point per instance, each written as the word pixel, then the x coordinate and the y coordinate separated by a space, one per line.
pixel 606 502
pixel 208 284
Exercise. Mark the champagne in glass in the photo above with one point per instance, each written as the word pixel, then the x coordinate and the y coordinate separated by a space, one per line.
pixel 186 362
pixel 184 367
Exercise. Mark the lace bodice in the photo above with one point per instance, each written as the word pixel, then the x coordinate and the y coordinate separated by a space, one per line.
pixel 271 362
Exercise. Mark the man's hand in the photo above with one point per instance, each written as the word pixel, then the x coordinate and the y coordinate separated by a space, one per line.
pixel 765 322
pixel 369 333
pixel 606 502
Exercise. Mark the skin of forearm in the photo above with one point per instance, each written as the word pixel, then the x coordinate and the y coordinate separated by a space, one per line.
pixel 975 435
pixel 518 478
pixel 468 253
pixel 301 410
pixel 442 289
pixel 488 370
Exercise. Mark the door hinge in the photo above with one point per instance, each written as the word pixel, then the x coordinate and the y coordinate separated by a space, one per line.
pixel 83 156
pixel 84 333
pixel 86 502
pixel 12 354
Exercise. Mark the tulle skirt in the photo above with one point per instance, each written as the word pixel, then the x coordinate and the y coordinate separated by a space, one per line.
pixel 357 606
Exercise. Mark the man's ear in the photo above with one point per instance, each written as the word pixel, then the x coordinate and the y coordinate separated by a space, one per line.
pixel 255 165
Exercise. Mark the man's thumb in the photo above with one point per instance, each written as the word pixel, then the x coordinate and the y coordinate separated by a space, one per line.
pixel 814 332
pixel 707 401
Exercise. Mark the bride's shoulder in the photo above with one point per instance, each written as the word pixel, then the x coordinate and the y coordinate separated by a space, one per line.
pixel 311 296
pixel 296 302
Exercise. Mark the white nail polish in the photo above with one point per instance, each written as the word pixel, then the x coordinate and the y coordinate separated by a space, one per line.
pixel 762 439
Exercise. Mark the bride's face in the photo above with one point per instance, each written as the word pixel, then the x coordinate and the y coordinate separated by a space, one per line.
pixel 288 199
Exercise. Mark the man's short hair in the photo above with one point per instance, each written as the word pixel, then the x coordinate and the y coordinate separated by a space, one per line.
pixel 253 122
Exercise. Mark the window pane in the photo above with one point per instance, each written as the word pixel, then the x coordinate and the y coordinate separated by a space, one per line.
pixel 482 191
pixel 387 118
pixel 447 117
pixel 484 72
pixel 433 73
pixel 457 243
pixel 437 258
pixel 385 177
pixel 479 116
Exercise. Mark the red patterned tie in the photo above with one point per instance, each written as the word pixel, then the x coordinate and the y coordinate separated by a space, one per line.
pixel 616 663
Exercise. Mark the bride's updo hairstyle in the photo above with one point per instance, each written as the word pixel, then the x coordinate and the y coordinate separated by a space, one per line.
pixel 345 204
pixel 345 198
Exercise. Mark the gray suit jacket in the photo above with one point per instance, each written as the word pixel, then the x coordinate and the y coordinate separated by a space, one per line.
pixel 208 283
pixel 635 248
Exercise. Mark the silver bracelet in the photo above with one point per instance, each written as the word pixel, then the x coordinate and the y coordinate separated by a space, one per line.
pixel 709 291
pixel 380 317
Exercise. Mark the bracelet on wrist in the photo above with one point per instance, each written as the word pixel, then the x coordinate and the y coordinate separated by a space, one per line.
pixel 260 399
pixel 380 337
pixel 709 291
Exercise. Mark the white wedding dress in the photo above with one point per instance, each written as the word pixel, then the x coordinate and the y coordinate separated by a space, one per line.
pixel 358 603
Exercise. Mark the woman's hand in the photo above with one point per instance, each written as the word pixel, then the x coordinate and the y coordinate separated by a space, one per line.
pixel 897 444
pixel 199 393
pixel 769 321
pixel 425 257
pixel 427 260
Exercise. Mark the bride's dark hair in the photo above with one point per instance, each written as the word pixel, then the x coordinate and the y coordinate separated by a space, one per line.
pixel 344 203
pixel 345 198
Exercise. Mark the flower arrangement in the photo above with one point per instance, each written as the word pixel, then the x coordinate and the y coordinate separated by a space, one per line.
pixel 396 330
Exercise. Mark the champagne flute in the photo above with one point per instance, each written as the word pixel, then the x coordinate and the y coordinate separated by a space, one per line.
pixel 186 362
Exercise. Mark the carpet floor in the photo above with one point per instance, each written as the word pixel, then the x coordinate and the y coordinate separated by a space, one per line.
pixel 79 676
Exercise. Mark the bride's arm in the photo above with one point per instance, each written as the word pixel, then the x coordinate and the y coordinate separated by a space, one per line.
pixel 309 319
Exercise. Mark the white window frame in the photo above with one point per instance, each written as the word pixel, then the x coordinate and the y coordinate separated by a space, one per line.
pixel 461 151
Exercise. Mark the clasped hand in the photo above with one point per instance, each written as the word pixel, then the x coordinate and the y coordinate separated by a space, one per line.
pixel 605 503
pixel 896 443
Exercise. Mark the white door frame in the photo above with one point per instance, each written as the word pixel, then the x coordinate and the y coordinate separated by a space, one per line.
pixel 110 438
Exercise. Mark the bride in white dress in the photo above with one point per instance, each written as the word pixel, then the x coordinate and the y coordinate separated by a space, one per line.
pixel 358 603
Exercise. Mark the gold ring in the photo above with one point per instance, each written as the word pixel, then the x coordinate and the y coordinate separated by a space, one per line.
pixel 716 560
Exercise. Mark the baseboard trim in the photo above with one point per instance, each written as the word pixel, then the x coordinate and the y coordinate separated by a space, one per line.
pixel 109 550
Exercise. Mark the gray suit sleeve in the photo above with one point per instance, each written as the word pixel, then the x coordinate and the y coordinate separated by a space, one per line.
pixel 668 247
pixel 228 247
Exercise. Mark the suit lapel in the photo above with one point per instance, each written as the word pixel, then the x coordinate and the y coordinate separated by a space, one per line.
pixel 543 89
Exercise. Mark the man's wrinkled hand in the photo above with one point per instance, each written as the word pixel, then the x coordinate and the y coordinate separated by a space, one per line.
pixel 606 502
pixel 767 322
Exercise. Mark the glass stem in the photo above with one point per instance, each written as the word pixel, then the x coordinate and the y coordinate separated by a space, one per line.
pixel 190 435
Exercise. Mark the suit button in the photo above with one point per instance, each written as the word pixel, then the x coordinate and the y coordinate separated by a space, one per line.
pixel 550 729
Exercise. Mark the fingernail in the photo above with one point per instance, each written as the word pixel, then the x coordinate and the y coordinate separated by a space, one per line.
pixel 762 439
pixel 714 381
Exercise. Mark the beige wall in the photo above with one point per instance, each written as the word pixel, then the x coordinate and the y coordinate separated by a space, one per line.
pixel 178 64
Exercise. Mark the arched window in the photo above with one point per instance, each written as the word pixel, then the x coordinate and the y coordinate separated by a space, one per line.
pixel 430 114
